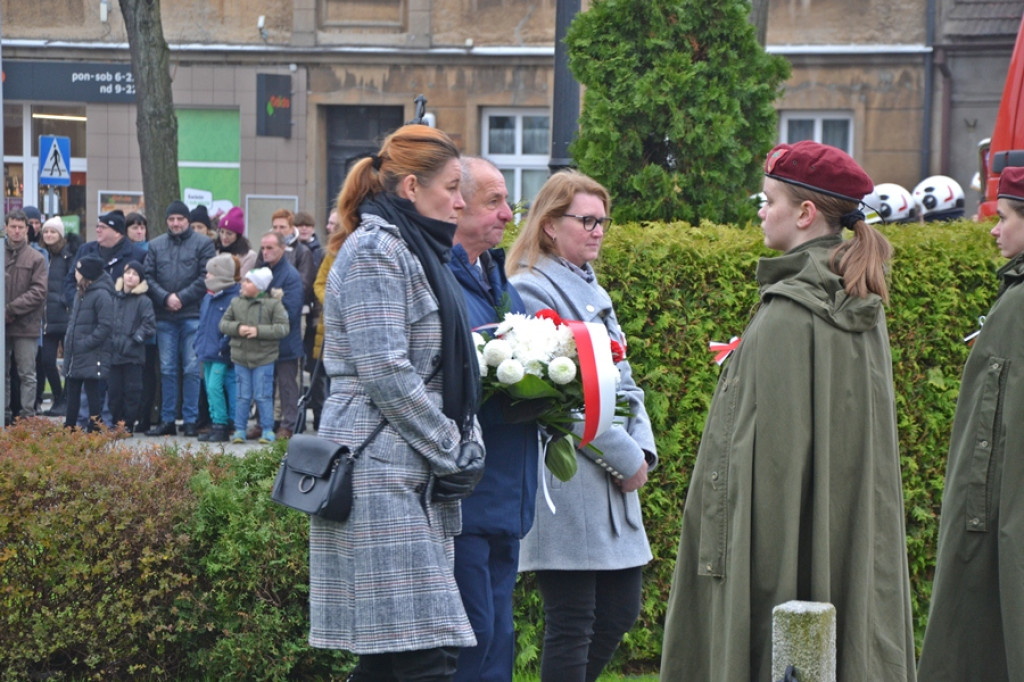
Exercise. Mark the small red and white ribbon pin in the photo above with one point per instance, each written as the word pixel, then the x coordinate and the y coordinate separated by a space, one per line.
pixel 723 350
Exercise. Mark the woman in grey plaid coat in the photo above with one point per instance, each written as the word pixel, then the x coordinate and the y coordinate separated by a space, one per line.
pixel 382 583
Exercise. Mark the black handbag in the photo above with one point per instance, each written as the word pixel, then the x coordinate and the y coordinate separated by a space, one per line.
pixel 315 476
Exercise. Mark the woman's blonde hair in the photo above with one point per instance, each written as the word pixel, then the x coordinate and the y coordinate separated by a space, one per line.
pixel 411 150
pixel 860 261
pixel 551 203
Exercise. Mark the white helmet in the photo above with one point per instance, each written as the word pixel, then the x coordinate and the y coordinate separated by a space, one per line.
pixel 940 198
pixel 870 205
pixel 894 203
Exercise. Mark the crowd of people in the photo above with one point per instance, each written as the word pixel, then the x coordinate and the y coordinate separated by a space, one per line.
pixel 796 492
pixel 126 331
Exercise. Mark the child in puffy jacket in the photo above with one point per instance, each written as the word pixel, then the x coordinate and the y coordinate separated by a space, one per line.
pixel 211 344
pixel 256 321
pixel 87 340
pixel 134 322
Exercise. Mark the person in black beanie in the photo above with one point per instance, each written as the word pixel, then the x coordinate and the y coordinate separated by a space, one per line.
pixel 199 220
pixel 86 342
pixel 175 268
pixel 134 323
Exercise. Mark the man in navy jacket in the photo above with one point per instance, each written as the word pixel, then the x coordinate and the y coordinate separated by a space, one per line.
pixel 286 369
pixel 500 510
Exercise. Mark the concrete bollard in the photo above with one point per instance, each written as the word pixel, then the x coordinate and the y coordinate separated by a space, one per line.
pixel 804 636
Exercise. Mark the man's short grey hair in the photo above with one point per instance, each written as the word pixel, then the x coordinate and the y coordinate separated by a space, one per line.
pixel 469 163
pixel 276 235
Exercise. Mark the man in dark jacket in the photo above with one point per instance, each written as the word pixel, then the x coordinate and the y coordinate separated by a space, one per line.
pixel 111 246
pixel 175 270
pixel 25 301
pixel 286 369
pixel 500 510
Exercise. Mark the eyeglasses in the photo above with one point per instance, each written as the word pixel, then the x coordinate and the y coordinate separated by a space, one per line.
pixel 590 222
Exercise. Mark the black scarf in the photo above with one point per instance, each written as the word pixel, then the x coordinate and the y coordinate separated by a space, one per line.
pixel 431 242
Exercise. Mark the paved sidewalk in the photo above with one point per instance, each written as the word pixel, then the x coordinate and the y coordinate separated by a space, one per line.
pixel 141 440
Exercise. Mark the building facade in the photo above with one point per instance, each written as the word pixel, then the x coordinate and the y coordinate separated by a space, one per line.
pixel 275 100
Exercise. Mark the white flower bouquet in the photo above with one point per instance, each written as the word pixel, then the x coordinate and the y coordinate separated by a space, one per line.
pixel 538 358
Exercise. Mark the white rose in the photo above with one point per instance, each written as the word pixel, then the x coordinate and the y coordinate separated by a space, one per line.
pixel 483 364
pixel 510 372
pixel 497 351
pixel 478 340
pixel 562 370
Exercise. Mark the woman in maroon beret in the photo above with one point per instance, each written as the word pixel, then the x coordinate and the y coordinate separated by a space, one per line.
pixel 796 492
pixel 976 625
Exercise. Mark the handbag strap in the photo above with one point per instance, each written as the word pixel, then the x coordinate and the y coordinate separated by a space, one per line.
pixel 383 422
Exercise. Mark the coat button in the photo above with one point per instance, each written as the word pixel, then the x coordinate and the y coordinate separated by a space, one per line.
pixel 436 360
pixel 975 522
pixel 984 443
pixel 714 475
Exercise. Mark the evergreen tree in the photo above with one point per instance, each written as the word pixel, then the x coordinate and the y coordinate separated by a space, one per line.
pixel 677 114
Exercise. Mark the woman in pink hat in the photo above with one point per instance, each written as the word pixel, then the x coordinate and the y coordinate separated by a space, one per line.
pixel 231 239
pixel 796 492
pixel 976 625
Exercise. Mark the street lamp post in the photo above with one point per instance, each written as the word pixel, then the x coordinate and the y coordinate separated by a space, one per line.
pixel 565 106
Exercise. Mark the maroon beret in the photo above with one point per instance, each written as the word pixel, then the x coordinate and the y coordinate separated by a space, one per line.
pixel 1011 183
pixel 818 167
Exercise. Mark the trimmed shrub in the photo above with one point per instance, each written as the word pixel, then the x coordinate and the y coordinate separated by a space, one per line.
pixel 91 561
pixel 248 612
pixel 678 106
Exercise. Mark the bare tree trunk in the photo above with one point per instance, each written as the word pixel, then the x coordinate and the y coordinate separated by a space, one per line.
pixel 758 17
pixel 156 122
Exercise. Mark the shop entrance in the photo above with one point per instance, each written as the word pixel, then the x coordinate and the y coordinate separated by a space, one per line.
pixel 352 133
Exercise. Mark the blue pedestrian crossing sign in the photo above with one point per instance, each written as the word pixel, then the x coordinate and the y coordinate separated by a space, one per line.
pixel 54 160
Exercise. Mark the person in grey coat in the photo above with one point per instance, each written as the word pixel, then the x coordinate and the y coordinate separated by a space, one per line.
pixel 399 351
pixel 588 556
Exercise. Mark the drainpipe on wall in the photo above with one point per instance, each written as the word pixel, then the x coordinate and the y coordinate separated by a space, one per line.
pixel 946 111
pixel 929 93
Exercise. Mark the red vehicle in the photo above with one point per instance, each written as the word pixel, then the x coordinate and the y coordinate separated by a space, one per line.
pixel 1006 146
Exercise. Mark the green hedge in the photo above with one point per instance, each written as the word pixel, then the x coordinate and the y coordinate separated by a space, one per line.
pixel 116 565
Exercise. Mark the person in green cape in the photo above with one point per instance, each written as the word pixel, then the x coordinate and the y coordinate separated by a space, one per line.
pixel 796 492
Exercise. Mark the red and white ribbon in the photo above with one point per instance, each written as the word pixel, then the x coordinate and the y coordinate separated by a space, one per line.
pixel 723 350
pixel 599 376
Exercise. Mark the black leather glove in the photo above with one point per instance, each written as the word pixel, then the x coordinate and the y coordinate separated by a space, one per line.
pixel 523 411
pixel 459 485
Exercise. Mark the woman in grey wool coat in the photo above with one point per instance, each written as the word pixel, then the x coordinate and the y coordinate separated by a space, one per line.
pixel 589 554
pixel 382 583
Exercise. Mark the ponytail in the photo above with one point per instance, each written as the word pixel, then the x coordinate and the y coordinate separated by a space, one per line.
pixel 860 261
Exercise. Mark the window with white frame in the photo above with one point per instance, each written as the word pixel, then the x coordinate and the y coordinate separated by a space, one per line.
pixel 518 142
pixel 828 127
